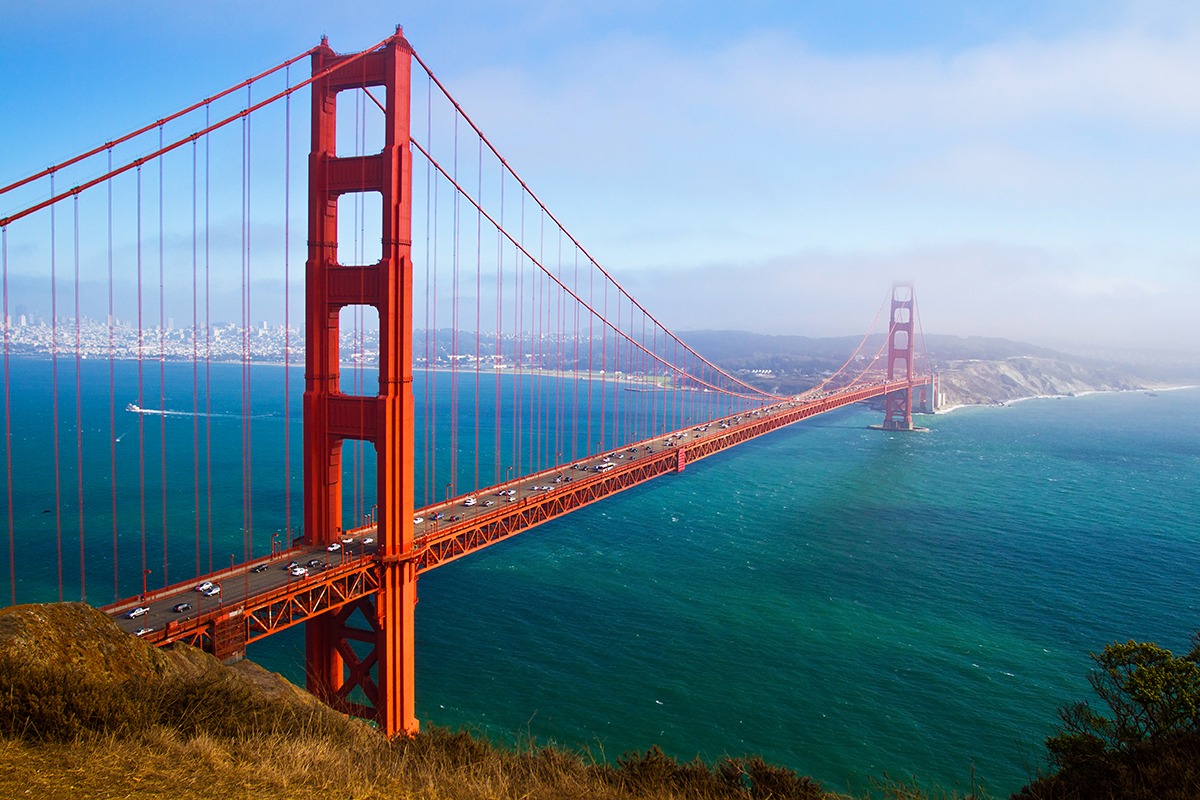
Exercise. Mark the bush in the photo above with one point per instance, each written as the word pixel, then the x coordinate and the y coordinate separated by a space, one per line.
pixel 1145 741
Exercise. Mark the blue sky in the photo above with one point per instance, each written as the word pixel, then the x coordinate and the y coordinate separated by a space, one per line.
pixel 773 166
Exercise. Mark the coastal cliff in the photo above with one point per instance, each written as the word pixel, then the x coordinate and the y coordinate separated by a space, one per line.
pixel 989 382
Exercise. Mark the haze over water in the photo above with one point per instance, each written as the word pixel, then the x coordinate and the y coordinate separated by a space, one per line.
pixel 839 600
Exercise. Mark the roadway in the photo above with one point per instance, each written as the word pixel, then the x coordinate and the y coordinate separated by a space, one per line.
pixel 252 579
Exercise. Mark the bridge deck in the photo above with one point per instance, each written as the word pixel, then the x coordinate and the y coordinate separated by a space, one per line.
pixel 261 597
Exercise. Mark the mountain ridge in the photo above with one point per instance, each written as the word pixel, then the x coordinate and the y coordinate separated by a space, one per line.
pixel 972 370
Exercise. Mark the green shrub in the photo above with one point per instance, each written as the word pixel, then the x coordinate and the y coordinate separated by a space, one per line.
pixel 1145 740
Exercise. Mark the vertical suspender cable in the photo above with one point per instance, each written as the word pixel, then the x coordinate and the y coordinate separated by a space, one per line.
pixel 287 322
pixel 360 243
pixel 519 342
pixel 429 494
pixel 79 412
pixel 499 331
pixel 112 394
pixel 677 419
pixel 478 306
pixel 207 345
pixel 431 365
pixel 575 363
pixel 499 357
pixel 54 391
pixel 356 241
pixel 195 365
pixel 660 391
pixel 455 252
pixel 245 332
pixel 544 425
pixel 162 357
pixel 250 323
pixel 628 370
pixel 618 376
pixel 604 370
pixel 560 445
pixel 535 399
pixel 248 534
pixel 539 333
pixel 494 355
pixel 591 371
pixel 12 550
pixel 141 381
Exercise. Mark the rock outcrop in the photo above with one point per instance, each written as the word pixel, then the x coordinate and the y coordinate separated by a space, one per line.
pixel 977 382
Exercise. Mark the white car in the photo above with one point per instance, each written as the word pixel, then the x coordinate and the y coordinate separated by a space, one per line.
pixel 418 520
pixel 470 501
pixel 144 631
pixel 298 572
pixel 204 587
pixel 369 540
pixel 134 613
pixel 334 547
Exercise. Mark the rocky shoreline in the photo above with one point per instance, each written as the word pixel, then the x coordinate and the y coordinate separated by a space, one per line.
pixel 987 382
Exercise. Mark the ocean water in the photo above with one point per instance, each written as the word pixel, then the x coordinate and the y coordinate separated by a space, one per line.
pixel 839 600
pixel 843 601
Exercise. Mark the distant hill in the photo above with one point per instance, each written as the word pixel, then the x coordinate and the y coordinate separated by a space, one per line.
pixel 728 347
pixel 973 369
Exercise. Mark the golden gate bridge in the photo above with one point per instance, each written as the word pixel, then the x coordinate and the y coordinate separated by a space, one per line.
pixel 470 371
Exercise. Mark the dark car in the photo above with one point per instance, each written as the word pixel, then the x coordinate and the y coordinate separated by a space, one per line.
pixel 259 568
pixel 182 607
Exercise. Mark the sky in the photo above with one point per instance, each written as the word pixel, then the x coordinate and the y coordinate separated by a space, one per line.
pixel 769 165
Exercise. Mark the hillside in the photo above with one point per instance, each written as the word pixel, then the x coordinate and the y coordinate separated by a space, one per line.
pixel 974 382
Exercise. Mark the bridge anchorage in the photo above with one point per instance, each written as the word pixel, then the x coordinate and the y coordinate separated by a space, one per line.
pixel 568 386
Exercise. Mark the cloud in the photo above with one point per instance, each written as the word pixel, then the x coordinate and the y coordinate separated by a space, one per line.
pixel 1025 293
pixel 1033 186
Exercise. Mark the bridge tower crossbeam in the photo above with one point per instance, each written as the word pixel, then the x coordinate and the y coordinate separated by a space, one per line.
pixel 335 669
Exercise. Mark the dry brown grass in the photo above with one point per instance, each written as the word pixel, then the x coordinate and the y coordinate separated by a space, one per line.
pixel 437 765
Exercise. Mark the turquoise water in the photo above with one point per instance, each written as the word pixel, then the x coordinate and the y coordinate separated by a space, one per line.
pixel 839 600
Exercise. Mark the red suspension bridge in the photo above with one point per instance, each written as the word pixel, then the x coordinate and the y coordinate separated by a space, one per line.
pixel 470 370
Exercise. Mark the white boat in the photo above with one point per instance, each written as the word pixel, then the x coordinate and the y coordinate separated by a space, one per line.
pixel 134 407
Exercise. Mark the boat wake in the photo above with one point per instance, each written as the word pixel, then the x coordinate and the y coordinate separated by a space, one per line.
pixel 134 408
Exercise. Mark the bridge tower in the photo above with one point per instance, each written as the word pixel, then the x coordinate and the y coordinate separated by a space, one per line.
pixel 384 675
pixel 900 359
